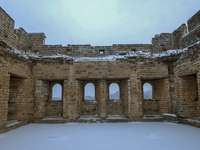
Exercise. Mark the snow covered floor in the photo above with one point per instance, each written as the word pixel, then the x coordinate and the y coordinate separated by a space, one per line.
pixel 102 136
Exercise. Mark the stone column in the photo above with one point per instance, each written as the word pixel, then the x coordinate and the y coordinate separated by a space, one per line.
pixel 4 91
pixel 102 98
pixel 125 92
pixel 65 99
pixel 138 108
pixel 198 92
pixel 41 97
pixel 162 94
pixel 71 97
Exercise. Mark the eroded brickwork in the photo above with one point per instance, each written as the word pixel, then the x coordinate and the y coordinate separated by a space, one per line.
pixel 29 69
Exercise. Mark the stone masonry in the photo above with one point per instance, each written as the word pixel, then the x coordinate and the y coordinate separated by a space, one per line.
pixel 29 69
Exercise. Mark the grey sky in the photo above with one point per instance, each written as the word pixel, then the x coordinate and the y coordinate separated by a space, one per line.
pixel 100 22
pixel 57 91
pixel 89 90
pixel 113 88
pixel 147 87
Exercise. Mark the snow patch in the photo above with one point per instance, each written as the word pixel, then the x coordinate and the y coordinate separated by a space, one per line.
pixel 172 115
pixel 193 120
pixel 90 117
pixel 52 118
pixel 144 53
pixel 12 124
pixel 72 123
pixel 170 123
pixel 59 137
pixel 2 136
pixel 102 136
pixel 154 135
pixel 116 117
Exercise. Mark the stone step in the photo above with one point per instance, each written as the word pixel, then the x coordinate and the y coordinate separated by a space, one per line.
pixel 96 118
pixel 90 119
pixel 195 121
pixel 12 124
pixel 152 118
pixel 116 118
pixel 11 121
pixel 51 120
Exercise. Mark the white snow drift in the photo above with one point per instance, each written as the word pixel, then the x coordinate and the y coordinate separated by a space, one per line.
pixel 102 136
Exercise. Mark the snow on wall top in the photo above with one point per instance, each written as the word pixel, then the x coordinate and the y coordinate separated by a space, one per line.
pixel 141 54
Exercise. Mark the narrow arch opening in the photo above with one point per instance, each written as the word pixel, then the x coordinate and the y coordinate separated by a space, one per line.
pixel 89 92
pixel 147 91
pixel 57 92
pixel 114 92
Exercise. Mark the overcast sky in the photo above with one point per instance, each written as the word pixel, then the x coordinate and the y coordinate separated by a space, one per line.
pixel 100 22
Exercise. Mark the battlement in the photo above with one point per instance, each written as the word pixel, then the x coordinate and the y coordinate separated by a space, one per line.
pixel 162 42
pixel 35 42
pixel 36 39
pixel 194 21
pixel 7 28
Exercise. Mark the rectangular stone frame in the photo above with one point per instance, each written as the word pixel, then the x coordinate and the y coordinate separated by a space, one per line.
pixel 161 92
pixel 188 98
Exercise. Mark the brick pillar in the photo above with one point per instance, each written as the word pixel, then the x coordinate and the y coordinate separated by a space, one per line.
pixel 162 93
pixel 178 94
pixel 135 110
pixel 71 97
pixel 41 98
pixel 4 91
pixel 102 98
pixel 65 99
pixel 126 98
pixel 23 100
pixel 138 107
pixel 172 89
pixel 198 89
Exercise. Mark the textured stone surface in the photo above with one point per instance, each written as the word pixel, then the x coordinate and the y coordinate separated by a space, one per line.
pixel 28 74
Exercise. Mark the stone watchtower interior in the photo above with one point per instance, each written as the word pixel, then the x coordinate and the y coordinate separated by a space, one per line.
pixel 126 82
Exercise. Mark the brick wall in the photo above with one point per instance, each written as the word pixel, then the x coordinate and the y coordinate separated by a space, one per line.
pixel 162 42
pixel 7 28
pixel 109 69
pixel 178 35
pixel 29 96
pixel 18 100
pixel 194 21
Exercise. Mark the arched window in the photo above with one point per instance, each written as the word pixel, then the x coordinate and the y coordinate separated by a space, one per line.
pixel 57 92
pixel 147 91
pixel 114 92
pixel 89 92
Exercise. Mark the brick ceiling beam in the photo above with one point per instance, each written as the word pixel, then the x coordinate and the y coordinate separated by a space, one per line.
pixel 152 79
pixel 16 76
pixel 50 79
pixel 95 79
pixel 189 74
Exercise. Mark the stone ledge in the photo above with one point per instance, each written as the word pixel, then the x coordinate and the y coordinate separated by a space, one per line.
pixel 170 118
pixel 152 118
pixel 50 120
pixel 191 121
pixel 13 126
